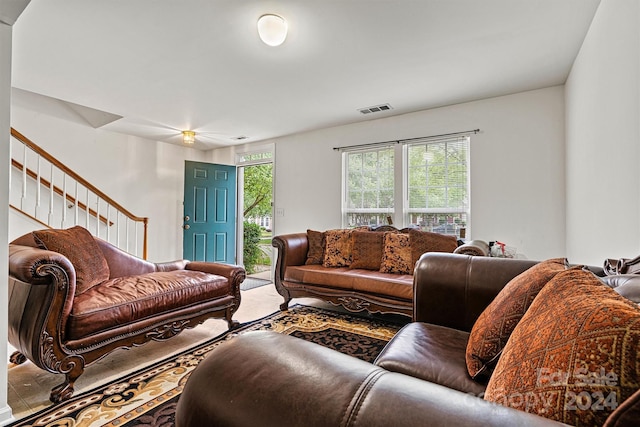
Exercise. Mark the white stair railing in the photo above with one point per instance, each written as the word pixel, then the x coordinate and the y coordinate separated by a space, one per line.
pixel 60 198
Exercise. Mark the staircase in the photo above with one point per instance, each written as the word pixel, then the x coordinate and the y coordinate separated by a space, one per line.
pixel 52 195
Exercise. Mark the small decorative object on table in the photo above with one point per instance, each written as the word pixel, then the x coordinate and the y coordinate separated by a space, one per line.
pixel 501 250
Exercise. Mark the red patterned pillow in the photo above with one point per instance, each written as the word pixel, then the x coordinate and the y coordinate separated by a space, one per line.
pixel 315 253
pixel 573 357
pixel 424 241
pixel 367 249
pixel 337 248
pixel 79 246
pixel 396 254
pixel 494 326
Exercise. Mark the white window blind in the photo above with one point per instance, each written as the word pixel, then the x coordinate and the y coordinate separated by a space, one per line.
pixel 369 186
pixel 438 185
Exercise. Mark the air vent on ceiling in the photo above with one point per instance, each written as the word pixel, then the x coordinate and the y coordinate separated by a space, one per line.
pixel 375 109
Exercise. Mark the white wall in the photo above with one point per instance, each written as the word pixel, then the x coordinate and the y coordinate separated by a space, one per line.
pixel 146 177
pixel 517 168
pixel 5 96
pixel 603 138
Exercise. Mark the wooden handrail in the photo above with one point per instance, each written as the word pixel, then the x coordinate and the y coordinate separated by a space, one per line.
pixel 59 191
pixel 26 141
pixel 55 162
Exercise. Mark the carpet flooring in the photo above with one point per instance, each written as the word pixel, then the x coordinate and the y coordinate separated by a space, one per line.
pixel 148 397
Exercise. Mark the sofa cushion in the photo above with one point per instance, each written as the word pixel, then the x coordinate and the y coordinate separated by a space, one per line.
pixel 338 248
pixel 495 324
pixel 367 249
pixel 80 247
pixel 574 355
pixel 366 281
pixel 315 253
pixel 396 254
pixel 424 241
pixel 430 352
pixel 126 300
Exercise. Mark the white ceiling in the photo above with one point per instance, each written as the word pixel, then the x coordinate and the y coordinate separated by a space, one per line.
pixel 164 66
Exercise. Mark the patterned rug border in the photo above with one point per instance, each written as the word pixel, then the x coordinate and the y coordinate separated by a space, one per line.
pixel 109 402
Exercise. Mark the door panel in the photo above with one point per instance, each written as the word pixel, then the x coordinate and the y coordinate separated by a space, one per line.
pixel 209 212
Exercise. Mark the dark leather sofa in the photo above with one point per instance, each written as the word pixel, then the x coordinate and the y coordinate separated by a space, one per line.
pixel 62 331
pixel 419 379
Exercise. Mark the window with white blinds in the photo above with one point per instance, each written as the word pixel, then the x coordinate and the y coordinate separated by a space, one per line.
pixel 431 175
pixel 438 186
pixel 369 186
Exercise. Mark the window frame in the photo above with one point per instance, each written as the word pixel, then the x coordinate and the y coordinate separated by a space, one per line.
pixel 383 211
pixel 401 212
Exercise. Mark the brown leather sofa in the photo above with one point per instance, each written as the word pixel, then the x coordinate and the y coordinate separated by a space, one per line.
pixel 419 379
pixel 62 331
pixel 355 289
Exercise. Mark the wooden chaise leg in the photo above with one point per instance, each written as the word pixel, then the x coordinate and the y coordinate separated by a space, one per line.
pixel 285 305
pixel 228 315
pixel 65 390
pixel 232 324
pixel 17 358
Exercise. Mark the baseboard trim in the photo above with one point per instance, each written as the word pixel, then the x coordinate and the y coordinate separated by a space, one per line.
pixel 6 416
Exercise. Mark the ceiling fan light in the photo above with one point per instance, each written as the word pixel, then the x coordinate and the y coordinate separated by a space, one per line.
pixel 188 136
pixel 272 29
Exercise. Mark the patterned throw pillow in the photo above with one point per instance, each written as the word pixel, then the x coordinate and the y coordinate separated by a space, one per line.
pixel 367 249
pixel 425 241
pixel 573 357
pixel 315 253
pixel 337 248
pixel 396 254
pixel 79 246
pixel 494 326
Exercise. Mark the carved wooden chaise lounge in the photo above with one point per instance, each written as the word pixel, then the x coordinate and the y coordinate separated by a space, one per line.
pixel 82 298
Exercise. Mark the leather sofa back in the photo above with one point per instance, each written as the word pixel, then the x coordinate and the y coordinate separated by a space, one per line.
pixel 286 381
pixel 121 263
pixel 452 290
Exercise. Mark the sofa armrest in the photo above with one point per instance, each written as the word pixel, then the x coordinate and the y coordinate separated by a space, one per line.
pixel 28 264
pixel 42 286
pixel 627 285
pixel 452 290
pixel 292 250
pixel 286 381
pixel 234 273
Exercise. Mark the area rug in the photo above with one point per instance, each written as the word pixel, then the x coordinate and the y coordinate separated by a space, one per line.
pixel 149 396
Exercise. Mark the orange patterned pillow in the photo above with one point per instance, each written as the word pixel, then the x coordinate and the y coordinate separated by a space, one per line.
pixel 573 357
pixel 79 246
pixel 396 254
pixel 494 326
pixel 338 248
pixel 315 253
pixel 424 241
pixel 367 249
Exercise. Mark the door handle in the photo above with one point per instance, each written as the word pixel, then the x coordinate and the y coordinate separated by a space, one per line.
pixel 186 218
pixel 186 226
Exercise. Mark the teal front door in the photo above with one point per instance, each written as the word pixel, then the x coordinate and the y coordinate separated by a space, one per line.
pixel 209 212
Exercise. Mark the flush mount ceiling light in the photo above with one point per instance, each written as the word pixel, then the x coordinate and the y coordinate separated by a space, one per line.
pixel 188 136
pixel 272 29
